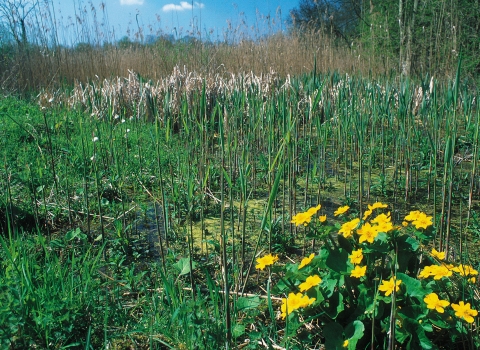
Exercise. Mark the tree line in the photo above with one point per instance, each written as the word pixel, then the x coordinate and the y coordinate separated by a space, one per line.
pixel 420 36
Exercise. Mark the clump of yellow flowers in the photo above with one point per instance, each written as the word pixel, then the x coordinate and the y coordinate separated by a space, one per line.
pixel 364 276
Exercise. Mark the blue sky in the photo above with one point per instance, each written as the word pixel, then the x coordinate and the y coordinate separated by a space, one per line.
pixel 214 18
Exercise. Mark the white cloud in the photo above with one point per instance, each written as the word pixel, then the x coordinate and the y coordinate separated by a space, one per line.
pixel 184 5
pixel 131 2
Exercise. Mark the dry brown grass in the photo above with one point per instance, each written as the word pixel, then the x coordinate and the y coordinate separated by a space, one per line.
pixel 291 54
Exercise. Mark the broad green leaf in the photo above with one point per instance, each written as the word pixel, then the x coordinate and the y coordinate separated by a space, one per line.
pixel 407 247
pixel 333 333
pixel 413 312
pixel 414 244
pixel 345 243
pixel 413 286
pixel 440 322
pixel 337 260
pixel 330 283
pixel 379 245
pixel 425 343
pixel 244 303
pixel 366 300
pixel 415 330
pixel 77 233
pixel 335 306
pixel 183 265
pixel 460 327
pixel 238 330
pixel 427 326
pixel 382 237
pixel 354 332
pixel 426 235
pixel 316 293
pixel 401 335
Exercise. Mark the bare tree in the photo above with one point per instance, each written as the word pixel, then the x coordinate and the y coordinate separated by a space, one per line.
pixel 14 13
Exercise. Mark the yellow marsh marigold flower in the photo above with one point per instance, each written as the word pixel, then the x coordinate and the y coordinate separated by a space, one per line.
pixel 345 343
pixel 304 218
pixel 422 221
pixel 322 218
pixel 347 228
pixel 310 282
pixel 341 210
pixel 382 218
pixel 367 233
pixel 366 214
pixel 294 302
pixel 384 226
pixel 434 303
pixel 435 270
pixel 404 223
pixel 372 207
pixel 438 272
pixel 465 270
pixel 412 216
pixel 426 272
pixel 438 255
pixel 388 286
pixel 464 311
pixel 358 271
pixel 377 205
pixel 356 256
pixel 306 261
pixel 301 219
pixel 266 260
pixel 313 210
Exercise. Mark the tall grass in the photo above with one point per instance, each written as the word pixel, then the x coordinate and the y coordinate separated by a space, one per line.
pixel 285 54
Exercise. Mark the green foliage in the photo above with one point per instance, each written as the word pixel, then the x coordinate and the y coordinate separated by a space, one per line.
pixel 48 299
pixel 61 294
pixel 426 36
pixel 438 30
pixel 339 18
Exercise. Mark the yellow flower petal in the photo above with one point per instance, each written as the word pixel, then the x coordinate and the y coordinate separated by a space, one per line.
pixel 388 286
pixel 341 210
pixel 265 261
pixel 464 311
pixel 306 261
pixel 358 271
pixel 310 282
pixel 438 255
pixel 347 228
pixel 356 256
